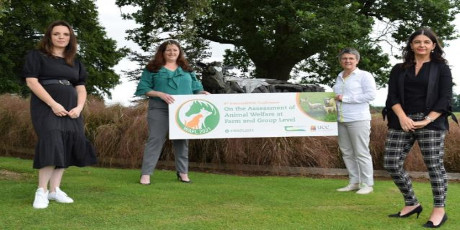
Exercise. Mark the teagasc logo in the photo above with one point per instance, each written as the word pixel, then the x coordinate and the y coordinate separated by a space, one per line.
pixel 197 117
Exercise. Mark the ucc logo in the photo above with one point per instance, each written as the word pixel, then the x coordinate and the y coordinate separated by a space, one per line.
pixel 197 117
pixel 319 127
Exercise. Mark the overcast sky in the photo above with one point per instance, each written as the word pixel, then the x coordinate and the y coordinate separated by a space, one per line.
pixel 110 18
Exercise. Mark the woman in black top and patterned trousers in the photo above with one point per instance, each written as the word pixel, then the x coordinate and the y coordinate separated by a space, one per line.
pixel 418 104
pixel 57 82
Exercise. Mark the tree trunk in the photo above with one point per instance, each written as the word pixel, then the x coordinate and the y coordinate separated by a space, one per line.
pixel 275 68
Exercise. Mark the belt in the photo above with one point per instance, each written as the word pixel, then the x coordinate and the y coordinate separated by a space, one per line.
pixel 54 82
pixel 416 114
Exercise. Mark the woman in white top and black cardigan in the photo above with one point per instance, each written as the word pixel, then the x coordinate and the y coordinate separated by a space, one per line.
pixel 418 104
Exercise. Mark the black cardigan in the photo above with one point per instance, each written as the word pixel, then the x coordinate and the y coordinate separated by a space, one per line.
pixel 439 95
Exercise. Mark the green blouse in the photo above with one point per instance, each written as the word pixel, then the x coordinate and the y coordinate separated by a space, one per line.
pixel 178 82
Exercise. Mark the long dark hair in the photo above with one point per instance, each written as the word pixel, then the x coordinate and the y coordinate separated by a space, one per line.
pixel 158 60
pixel 435 56
pixel 46 44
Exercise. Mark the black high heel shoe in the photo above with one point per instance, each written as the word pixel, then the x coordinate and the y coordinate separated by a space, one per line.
pixel 180 178
pixel 417 210
pixel 430 224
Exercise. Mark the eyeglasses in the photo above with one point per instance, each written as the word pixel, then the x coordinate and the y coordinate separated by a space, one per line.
pixel 347 59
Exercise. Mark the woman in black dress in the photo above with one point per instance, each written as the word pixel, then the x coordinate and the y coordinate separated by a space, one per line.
pixel 57 82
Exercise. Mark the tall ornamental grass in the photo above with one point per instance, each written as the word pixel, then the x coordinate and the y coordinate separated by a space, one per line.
pixel 119 134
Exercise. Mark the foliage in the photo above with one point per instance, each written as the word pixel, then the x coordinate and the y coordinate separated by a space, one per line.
pixel 280 35
pixel 4 4
pixel 113 199
pixel 456 103
pixel 194 53
pixel 324 67
pixel 149 37
pixel 239 58
pixel 24 23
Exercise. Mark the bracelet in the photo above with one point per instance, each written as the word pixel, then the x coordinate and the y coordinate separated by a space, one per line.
pixel 429 118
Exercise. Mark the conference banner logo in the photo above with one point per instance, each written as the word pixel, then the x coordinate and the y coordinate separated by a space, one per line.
pixel 197 117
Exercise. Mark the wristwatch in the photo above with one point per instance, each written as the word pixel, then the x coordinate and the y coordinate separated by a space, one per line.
pixel 429 118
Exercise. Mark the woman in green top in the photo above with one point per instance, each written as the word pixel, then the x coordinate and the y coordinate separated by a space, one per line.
pixel 167 74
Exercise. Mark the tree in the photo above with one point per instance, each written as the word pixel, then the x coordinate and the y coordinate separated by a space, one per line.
pixel 456 102
pixel 24 23
pixel 3 5
pixel 278 35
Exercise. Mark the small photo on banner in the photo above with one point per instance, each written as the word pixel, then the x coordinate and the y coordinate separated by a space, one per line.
pixel 318 105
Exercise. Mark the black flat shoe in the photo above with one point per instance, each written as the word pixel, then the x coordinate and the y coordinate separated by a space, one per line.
pixel 180 179
pixel 430 224
pixel 417 210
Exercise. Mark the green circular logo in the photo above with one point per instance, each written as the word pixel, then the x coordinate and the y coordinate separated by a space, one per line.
pixel 197 117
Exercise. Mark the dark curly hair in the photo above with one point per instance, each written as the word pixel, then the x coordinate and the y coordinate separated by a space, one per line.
pixel 436 55
pixel 158 60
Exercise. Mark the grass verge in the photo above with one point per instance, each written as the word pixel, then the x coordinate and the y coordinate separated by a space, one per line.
pixel 113 199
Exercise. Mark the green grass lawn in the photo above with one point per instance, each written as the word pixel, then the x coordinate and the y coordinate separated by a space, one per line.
pixel 113 199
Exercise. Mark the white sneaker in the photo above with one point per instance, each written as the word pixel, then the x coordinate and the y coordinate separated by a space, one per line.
pixel 60 196
pixel 41 199
pixel 349 187
pixel 365 189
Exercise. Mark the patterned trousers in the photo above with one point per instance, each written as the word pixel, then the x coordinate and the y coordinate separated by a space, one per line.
pixel 431 142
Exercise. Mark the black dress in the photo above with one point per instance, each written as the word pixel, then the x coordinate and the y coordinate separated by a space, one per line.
pixel 61 140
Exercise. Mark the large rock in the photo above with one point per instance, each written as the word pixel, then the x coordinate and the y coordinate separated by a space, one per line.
pixel 214 81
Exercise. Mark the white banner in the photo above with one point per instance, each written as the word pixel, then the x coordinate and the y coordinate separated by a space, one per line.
pixel 252 115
